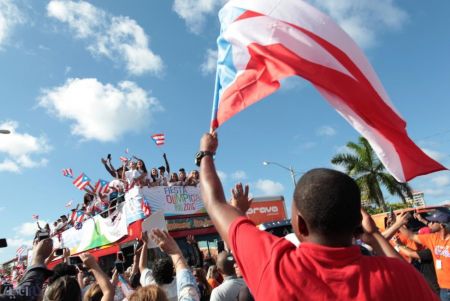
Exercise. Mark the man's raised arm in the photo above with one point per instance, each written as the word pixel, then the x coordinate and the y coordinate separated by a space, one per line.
pixel 221 213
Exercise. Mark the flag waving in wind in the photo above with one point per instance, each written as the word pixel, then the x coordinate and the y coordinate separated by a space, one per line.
pixel 82 181
pixel 101 186
pixel 264 41
pixel 159 139
pixel 67 172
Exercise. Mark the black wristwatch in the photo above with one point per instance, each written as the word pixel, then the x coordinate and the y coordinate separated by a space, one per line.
pixel 199 156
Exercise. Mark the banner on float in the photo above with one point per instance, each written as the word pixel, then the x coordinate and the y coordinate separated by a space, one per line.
pixel 174 200
pixel 132 207
pixel 96 232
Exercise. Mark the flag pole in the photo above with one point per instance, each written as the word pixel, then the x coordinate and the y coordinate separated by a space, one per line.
pixel 213 124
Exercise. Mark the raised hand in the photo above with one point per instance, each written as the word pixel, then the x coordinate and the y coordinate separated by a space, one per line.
pixel 165 242
pixel 209 142
pixel 240 198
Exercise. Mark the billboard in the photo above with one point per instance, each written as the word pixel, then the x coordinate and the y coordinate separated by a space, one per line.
pixel 265 210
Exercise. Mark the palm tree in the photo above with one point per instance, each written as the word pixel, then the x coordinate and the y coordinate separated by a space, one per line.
pixel 362 164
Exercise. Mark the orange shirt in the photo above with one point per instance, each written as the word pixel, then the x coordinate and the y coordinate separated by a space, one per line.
pixel 440 248
pixel 406 242
pixel 213 282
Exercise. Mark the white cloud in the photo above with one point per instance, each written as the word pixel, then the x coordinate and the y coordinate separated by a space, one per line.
pixel 18 242
pixel 98 110
pixel 27 229
pixel 239 175
pixel 210 62
pixel 107 35
pixel 9 165
pixel 444 203
pixel 20 148
pixel 269 187
pixel 10 16
pixel 308 145
pixel 363 20
pixel 222 176
pixel 441 181
pixel 194 12
pixel 438 156
pixel 435 192
pixel 326 130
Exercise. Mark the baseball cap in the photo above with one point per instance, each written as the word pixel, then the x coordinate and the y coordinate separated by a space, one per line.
pixel 439 217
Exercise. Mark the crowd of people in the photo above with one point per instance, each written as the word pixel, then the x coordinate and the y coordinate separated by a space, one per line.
pixel 339 253
pixel 133 172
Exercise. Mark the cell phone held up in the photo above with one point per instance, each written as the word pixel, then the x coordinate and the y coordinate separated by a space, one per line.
pixel 119 263
pixel 75 260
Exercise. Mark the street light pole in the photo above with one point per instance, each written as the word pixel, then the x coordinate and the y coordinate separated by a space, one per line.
pixel 290 169
pixel 5 132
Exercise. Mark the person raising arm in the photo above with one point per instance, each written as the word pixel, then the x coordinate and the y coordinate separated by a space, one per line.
pixel 222 214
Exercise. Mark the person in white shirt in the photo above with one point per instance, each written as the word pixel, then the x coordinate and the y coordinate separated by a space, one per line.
pixel 229 289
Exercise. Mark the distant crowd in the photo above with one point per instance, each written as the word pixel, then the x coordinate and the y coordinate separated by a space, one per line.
pixel 132 172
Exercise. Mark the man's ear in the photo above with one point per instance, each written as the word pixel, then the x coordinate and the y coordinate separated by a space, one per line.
pixel 302 226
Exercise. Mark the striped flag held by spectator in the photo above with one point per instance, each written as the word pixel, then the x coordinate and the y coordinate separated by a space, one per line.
pixel 82 181
pixel 67 172
pixel 22 249
pixel 35 216
pixel 101 187
pixel 159 139
pixel 146 207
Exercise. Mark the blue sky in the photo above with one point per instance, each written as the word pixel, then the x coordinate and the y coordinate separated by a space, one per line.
pixel 81 80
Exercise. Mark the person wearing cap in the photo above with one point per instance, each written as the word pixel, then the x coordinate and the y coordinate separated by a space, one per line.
pixel 439 244
pixel 231 286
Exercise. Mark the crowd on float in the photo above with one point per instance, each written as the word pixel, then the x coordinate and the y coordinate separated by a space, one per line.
pixel 132 172
pixel 338 253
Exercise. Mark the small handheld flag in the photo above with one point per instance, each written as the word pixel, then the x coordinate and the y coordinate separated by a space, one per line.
pixel 20 251
pixel 35 216
pixel 123 159
pixel 69 204
pixel 82 181
pixel 101 187
pixel 146 207
pixel 159 139
pixel 67 172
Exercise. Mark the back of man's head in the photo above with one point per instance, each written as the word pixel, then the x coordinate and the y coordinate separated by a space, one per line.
pixel 225 263
pixel 163 271
pixel 329 201
pixel 64 288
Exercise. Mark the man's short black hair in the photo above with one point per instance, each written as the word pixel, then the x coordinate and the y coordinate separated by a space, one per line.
pixel 162 168
pixel 182 170
pixel 329 201
pixel 163 271
pixel 225 263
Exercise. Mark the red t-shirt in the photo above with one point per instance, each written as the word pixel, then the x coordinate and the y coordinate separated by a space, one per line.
pixel 275 269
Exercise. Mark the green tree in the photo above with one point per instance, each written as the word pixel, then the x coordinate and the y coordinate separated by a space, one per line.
pixel 363 165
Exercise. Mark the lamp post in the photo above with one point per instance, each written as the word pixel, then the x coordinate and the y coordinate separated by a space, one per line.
pixel 290 169
pixel 5 132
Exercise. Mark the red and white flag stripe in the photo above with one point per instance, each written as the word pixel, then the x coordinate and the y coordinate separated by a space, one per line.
pixel 159 139
pixel 271 40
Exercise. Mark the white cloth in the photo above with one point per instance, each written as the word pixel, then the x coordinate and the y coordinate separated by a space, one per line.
pixel 130 175
pixel 170 289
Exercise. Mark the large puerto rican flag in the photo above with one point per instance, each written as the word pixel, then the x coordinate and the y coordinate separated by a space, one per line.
pixel 264 41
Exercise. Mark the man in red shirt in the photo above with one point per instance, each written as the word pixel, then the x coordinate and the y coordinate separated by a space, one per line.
pixel 327 266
